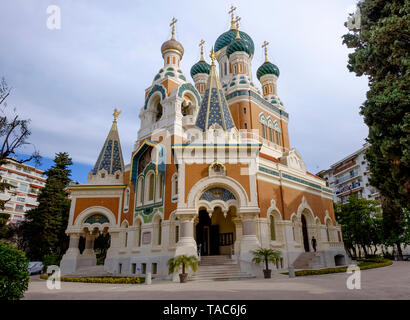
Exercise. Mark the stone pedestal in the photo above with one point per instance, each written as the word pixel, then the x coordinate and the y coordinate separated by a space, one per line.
pixel 69 262
pixel 88 257
pixel 249 242
pixel 186 244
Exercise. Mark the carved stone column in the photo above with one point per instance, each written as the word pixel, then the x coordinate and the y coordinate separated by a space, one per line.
pixel 186 244
pixel 249 240
pixel 88 258
pixel 69 262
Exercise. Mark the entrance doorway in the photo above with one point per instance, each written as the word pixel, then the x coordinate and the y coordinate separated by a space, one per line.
pixel 305 234
pixel 207 235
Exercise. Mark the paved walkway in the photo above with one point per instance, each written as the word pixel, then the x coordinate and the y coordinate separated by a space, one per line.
pixel 391 282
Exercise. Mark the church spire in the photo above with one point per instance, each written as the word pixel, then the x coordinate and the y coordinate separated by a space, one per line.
pixel 214 110
pixel 110 158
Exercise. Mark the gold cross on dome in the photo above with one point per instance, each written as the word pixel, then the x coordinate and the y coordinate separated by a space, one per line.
pixel 237 27
pixel 201 44
pixel 172 25
pixel 265 46
pixel 231 12
pixel 116 114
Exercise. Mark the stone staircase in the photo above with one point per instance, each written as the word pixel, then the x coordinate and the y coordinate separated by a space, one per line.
pixel 219 268
pixel 308 260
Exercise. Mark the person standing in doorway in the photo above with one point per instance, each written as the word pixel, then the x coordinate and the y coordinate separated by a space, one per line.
pixel 314 243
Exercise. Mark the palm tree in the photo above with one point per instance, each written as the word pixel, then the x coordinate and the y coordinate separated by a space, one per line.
pixel 175 263
pixel 266 255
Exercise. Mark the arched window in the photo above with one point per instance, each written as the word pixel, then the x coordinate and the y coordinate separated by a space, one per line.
pixel 167 60
pixel 151 184
pixel 159 187
pixel 127 199
pixel 138 234
pixel 234 69
pixel 272 228
pixel 176 234
pixel 159 231
pixel 270 134
pixel 140 190
pixel 173 60
pixel 174 186
pixel 225 68
pixel 158 111
pixel 263 131
pixel 277 138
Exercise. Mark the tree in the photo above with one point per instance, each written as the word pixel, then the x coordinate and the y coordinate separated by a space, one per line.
pixel 174 265
pixel 266 255
pixel 359 219
pixel 14 134
pixel 381 52
pixel 44 228
pixel 14 277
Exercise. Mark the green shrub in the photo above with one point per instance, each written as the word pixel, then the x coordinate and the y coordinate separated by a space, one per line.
pixel 117 280
pixel 14 277
pixel 363 265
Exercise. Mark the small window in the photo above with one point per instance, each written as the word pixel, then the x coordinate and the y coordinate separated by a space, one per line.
pixel 154 268
pixel 134 268
pixel 120 268
pixel 245 126
pixel 102 175
pixel 225 69
pixel 272 228
pixel 117 176
pixel 176 234
pixel 144 268
pixel 244 110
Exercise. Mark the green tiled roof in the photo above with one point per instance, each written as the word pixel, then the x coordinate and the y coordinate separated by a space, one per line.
pixel 200 67
pixel 239 45
pixel 267 68
pixel 227 37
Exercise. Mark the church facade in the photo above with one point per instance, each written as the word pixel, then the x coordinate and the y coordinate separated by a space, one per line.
pixel 212 173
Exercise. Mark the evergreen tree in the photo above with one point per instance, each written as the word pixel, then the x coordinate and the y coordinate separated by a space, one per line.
pixel 381 52
pixel 44 228
pixel 359 219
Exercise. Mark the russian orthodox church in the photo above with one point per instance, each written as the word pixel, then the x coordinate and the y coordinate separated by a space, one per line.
pixel 212 173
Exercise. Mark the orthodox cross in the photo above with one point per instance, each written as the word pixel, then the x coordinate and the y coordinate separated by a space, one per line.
pixel 232 17
pixel 201 44
pixel 236 21
pixel 116 114
pixel 265 46
pixel 172 25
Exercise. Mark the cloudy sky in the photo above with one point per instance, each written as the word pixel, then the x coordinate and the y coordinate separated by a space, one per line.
pixel 106 54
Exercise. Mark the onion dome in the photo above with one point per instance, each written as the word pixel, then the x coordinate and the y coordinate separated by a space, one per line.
pixel 226 38
pixel 200 67
pixel 267 68
pixel 172 45
pixel 239 45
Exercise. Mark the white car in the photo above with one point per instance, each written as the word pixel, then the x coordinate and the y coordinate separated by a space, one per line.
pixel 35 267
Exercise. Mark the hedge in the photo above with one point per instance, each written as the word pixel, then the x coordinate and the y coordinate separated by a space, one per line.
pixel 363 265
pixel 117 280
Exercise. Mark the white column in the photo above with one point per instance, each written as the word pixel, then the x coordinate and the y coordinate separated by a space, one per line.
pixel 69 261
pixel 186 244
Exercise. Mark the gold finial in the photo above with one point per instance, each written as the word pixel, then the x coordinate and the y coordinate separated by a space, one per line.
pixel 116 114
pixel 265 45
pixel 237 27
pixel 201 44
pixel 231 12
pixel 212 56
pixel 172 24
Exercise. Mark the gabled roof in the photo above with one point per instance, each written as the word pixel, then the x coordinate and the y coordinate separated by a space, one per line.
pixel 214 108
pixel 110 157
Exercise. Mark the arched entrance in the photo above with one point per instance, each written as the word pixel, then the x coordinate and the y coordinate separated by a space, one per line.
pixel 305 234
pixel 215 234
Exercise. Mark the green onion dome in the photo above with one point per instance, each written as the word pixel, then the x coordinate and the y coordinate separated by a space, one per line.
pixel 267 68
pixel 200 67
pixel 239 45
pixel 226 38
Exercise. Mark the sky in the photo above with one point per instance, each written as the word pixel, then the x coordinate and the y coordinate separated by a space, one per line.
pixel 68 81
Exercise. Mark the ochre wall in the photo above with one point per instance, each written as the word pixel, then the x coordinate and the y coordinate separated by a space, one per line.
pixel 288 201
pixel 195 172
pixel 110 203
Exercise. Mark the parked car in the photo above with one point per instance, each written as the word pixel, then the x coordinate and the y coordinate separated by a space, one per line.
pixel 35 267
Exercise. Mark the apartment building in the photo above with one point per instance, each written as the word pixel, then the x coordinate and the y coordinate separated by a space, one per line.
pixel 27 181
pixel 350 175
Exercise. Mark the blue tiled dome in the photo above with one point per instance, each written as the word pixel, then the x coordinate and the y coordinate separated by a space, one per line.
pixel 267 68
pixel 227 37
pixel 239 45
pixel 200 67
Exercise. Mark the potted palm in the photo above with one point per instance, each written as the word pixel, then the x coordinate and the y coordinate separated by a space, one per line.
pixel 174 264
pixel 266 255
